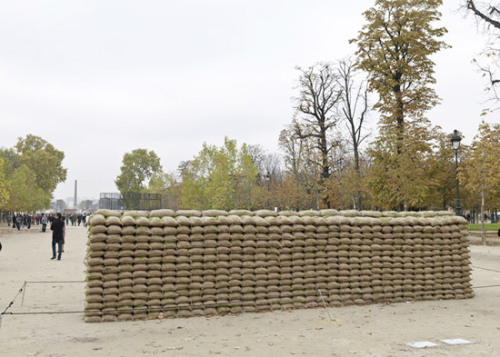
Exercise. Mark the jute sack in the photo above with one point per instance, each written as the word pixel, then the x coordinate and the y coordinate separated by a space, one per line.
pixel 112 220
pixel 188 213
pixel 113 238
pixel 265 213
pixel 214 213
pixel 328 212
pixel 107 212
pixel 97 229
pixel 97 238
pixel 97 219
pixel 183 220
pixel 144 230
pixel 157 231
pixel 134 213
pixel 127 221
pixel 169 222
pixel 195 221
pixel 162 213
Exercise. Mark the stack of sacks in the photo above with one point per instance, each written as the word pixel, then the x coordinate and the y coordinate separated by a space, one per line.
pixel 155 259
pixel 229 236
pixel 102 262
pixel 168 260
pixel 126 268
pixel 215 250
pixel 240 282
pixel 284 268
pixel 95 267
pixel 184 263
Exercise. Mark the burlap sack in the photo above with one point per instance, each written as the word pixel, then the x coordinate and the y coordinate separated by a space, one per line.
pixel 162 213
pixel 97 238
pixel 143 230
pixel 112 220
pixel 97 229
pixel 127 221
pixel 188 213
pixel 97 220
pixel 168 223
pixel 136 214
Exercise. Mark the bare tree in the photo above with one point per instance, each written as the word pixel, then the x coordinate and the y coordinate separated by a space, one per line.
pixel 184 168
pixel 268 164
pixel 319 96
pixel 489 15
pixel 292 147
pixel 257 153
pixel 354 106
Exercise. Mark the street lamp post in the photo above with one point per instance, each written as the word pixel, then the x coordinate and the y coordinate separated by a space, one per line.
pixel 455 141
pixel 268 180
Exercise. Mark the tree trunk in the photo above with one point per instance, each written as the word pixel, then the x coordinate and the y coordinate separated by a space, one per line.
pixel 358 173
pixel 483 238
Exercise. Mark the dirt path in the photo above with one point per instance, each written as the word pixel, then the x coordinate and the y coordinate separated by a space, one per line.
pixel 375 330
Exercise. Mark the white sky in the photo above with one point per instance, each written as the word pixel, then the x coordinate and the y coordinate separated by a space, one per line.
pixel 101 78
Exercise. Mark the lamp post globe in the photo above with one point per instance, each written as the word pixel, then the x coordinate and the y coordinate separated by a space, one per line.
pixel 455 142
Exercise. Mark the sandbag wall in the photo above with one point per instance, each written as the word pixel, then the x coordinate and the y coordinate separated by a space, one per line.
pixel 185 263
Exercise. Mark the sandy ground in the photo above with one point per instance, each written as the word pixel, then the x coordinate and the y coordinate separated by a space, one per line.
pixel 375 330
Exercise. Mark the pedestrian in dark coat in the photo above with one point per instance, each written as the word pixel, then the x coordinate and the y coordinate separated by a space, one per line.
pixel 57 236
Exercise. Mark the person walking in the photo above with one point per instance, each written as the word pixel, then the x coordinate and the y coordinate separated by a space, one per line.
pixel 57 236
pixel 43 221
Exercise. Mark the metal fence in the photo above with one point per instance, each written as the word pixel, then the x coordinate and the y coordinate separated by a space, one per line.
pixel 130 201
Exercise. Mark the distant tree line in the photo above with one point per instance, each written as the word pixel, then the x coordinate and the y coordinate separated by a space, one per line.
pixel 328 158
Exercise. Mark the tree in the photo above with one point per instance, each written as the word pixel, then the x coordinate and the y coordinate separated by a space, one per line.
pixel 11 160
pixel 138 168
pixel 59 205
pixel 319 96
pixel 354 107
pixel 166 185
pixel 442 171
pixel 302 161
pixel 292 147
pixel 489 15
pixel 394 48
pixel 480 172
pixel 219 178
pixel 4 185
pixel 246 173
pixel 85 204
pixel 43 159
pixel 25 194
pixel 402 181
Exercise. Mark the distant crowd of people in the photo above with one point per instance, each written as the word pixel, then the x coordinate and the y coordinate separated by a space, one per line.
pixel 56 222
pixel 28 220
pixel 77 219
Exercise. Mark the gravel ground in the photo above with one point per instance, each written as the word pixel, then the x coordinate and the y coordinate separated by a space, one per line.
pixel 373 330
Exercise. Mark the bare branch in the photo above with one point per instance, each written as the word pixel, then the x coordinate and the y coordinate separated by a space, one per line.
pixel 471 5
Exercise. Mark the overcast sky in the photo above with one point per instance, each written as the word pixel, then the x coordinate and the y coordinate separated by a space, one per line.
pixel 101 78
